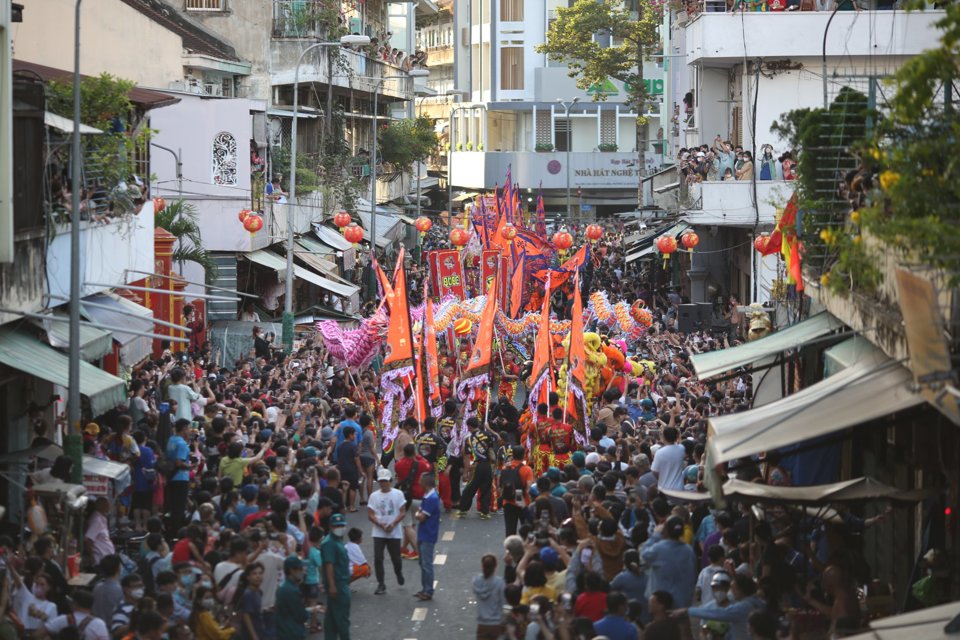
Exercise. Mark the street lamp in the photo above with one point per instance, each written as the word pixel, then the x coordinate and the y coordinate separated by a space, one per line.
pixel 461 94
pixel 566 116
pixel 348 40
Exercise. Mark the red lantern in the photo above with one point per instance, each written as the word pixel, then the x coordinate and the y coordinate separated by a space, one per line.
pixel 423 224
pixel 508 232
pixel 760 243
pixel 253 223
pixel 459 237
pixel 594 232
pixel 690 240
pixel 562 240
pixel 159 204
pixel 244 214
pixel 342 219
pixel 666 245
pixel 353 233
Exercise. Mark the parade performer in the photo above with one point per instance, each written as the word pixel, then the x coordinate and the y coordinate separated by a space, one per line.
pixel 542 454
pixel 560 436
pixel 449 463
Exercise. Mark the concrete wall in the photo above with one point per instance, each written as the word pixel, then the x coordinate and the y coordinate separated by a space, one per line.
pixel 730 203
pixel 108 253
pixel 23 282
pixel 587 169
pixel 114 38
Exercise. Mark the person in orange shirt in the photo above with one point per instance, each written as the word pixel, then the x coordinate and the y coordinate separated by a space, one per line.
pixel 542 449
pixel 561 440
pixel 515 480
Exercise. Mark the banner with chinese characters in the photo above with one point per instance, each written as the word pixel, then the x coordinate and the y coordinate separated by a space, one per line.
pixel 488 268
pixel 450 274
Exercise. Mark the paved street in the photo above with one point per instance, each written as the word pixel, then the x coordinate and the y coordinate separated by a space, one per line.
pixel 451 614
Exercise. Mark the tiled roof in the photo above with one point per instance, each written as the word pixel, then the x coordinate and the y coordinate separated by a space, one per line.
pixel 146 98
pixel 196 39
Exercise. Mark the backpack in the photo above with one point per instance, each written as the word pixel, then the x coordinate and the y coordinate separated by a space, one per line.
pixel 511 485
pixel 145 569
pixel 223 593
pixel 166 467
pixel 407 485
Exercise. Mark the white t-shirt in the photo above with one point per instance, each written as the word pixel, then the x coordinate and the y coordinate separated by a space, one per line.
pixel 224 569
pixel 96 629
pixel 668 464
pixel 23 600
pixel 386 509
pixel 355 554
pixel 272 576
pixel 703 583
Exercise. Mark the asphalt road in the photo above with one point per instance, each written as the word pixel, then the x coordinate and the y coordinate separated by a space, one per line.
pixel 397 615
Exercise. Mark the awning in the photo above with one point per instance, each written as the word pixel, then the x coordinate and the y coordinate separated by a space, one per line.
pixel 426 182
pixel 327 255
pixel 49 452
pixel 850 352
pixel 389 228
pixel 116 472
pixel 333 282
pixel 820 495
pixel 66 124
pixel 642 244
pixel 714 363
pixel 94 343
pixel 123 313
pixel 331 238
pixel 636 255
pixel 859 394
pixel 27 354
pixel 929 624
pixel 302 112
pixel 465 196
pixel 279 264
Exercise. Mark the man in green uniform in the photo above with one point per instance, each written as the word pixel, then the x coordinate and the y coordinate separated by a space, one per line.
pixel 336 580
pixel 291 611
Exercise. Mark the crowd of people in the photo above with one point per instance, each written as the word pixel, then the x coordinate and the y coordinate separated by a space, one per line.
pixel 725 161
pixel 244 476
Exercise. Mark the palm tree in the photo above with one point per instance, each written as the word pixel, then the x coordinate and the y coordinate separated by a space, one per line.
pixel 179 219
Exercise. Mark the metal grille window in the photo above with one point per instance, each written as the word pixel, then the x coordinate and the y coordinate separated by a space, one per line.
pixel 511 68
pixel 224 159
pixel 511 10
pixel 205 5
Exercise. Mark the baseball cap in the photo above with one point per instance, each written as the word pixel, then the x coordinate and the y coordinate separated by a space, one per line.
pixel 384 475
pixel 674 526
pixel 593 458
pixel 92 428
pixel 292 563
pixel 549 556
pixel 701 154
pixel 338 520
pixel 248 492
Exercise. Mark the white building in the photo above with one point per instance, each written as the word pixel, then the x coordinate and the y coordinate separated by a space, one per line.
pixel 744 71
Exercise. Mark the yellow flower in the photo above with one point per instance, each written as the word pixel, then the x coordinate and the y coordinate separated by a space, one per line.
pixel 888 179
pixel 875 154
pixel 857 240
pixel 827 236
pixel 825 279
pixel 855 217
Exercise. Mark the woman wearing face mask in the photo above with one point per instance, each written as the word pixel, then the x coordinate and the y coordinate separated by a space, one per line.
pixel 33 607
pixel 202 620
pixel 248 601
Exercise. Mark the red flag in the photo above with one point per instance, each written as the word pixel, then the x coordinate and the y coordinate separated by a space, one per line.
pixel 516 288
pixel 483 347
pixel 542 372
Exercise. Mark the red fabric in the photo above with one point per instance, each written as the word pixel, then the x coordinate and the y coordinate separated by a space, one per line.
pixel 181 551
pixel 591 604
pixel 403 467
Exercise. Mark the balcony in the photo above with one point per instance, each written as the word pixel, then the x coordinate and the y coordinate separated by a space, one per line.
pixel 730 203
pixel 719 37
pixel 357 71
pixel 588 169
pixel 110 253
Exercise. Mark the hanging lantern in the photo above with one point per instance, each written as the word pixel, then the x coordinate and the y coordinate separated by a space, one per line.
pixel 159 204
pixel 760 243
pixel 253 223
pixel 594 232
pixel 423 224
pixel 508 232
pixel 244 214
pixel 459 237
pixel 342 219
pixel 666 245
pixel 353 233
pixel 562 240
pixel 690 240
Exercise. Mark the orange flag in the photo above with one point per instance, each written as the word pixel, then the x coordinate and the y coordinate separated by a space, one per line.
pixel 542 374
pixel 483 347
pixel 516 287
pixel 578 353
pixel 432 367
pixel 399 341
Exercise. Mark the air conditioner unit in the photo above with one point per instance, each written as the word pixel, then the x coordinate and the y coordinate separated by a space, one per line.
pixel 177 85
pixel 212 89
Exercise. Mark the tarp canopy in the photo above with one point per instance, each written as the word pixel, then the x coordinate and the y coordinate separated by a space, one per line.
pixel 925 624
pixel 66 124
pixel 859 394
pixel 331 238
pixel 279 264
pixel 233 339
pixel 25 353
pixel 817 495
pixel 389 227
pixel 48 452
pixel 123 313
pixel 714 363
pixel 94 343
pixel 846 354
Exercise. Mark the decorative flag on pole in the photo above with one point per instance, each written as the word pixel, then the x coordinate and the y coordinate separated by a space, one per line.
pixel 542 372
pixel 508 195
pixel 576 367
pixel 516 287
pixel 541 226
pixel 399 360
pixel 430 340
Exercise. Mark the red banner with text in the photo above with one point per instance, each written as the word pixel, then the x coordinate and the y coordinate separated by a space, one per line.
pixel 450 274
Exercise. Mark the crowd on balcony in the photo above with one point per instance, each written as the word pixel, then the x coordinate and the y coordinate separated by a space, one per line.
pixel 694 7
pixel 726 161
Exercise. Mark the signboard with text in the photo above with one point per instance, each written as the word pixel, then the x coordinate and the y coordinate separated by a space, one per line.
pixel 450 274
pixel 488 268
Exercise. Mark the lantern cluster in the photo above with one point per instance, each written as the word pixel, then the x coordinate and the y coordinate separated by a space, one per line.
pixel 250 221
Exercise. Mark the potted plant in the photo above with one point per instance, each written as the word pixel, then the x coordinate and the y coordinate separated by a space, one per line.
pixel 459 146
pixel 607 146
pixel 469 145
pixel 543 146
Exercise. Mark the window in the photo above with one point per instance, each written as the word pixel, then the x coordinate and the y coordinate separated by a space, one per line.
pixel 561 134
pixel 224 159
pixel 511 10
pixel 205 5
pixel 511 68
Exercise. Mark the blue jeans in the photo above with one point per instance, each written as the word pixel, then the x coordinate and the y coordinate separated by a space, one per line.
pixel 426 566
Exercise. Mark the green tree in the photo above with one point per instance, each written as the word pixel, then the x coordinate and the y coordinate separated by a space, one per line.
pixel 407 141
pixel 179 219
pixel 633 31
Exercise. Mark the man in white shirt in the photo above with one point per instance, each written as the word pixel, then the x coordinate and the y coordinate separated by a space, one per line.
pixel 183 395
pixel 98 531
pixel 90 627
pixel 386 509
pixel 669 461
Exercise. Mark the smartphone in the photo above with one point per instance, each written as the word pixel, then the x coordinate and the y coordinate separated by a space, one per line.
pixel 534 609
pixel 566 601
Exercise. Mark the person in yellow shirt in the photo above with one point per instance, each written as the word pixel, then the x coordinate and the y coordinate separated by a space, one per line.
pixel 234 467
pixel 202 622
pixel 535 584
